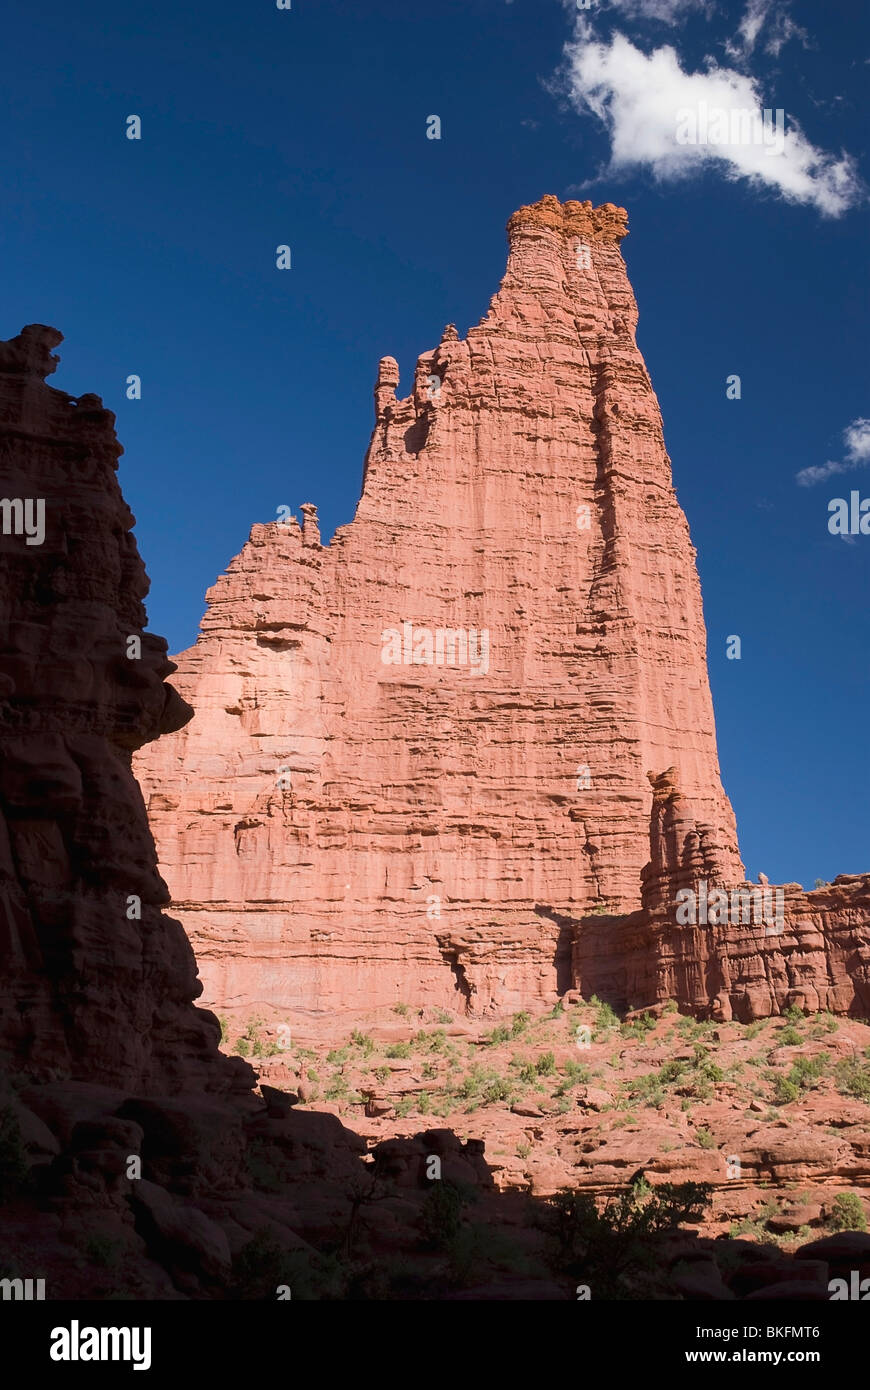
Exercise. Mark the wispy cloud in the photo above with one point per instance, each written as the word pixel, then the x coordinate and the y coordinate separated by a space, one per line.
pixel 638 96
pixel 768 20
pixel 856 438
pixel 668 11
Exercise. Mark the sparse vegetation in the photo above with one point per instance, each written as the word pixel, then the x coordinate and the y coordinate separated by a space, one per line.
pixel 610 1249
pixel 804 1075
pixel 638 1027
pixel 604 1016
pixel 852 1078
pixel 848 1213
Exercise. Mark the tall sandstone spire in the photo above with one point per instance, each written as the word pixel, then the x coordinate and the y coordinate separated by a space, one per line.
pixel 349 820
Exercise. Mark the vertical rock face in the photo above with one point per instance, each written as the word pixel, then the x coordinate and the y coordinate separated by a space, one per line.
pixel 96 982
pixel 416 749
pixel 725 949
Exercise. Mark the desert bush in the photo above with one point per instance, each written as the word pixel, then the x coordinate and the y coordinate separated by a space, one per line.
pixel 852 1078
pixel 604 1015
pixel 602 1247
pixel 847 1213
pixel 262 1266
pixel 441 1214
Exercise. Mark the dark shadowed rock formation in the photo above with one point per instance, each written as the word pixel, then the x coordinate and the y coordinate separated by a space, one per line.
pixel 95 979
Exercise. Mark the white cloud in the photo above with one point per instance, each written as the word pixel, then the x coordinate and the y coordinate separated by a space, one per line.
pixel 856 438
pixel 638 98
pixel 819 472
pixel 758 16
pixel 668 11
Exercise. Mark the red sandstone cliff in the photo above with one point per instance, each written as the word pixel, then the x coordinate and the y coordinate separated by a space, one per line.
pixel 721 948
pixel 337 831
pixel 96 982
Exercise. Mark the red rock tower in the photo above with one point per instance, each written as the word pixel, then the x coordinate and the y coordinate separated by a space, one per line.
pixel 420 751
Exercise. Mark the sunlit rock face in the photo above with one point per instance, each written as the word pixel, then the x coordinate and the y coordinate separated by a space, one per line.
pixel 421 750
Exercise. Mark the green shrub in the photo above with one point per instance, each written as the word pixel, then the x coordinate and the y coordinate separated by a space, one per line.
pixel 243 1047
pixel 399 1049
pixel 526 1071
pixel 498 1035
pixel 604 1015
pixel 806 1071
pixel 546 1064
pixel 804 1075
pixel 262 1266
pixel 784 1091
pixel 496 1089
pixel 646 1088
pixel 575 1074
pixel 670 1072
pixel 519 1023
pixel 852 1078
pixel 789 1037
pixel 601 1247
pixel 363 1042
pixel 441 1214
pixel 848 1213
pixel 402 1009
pixel 705 1138
pixel 638 1027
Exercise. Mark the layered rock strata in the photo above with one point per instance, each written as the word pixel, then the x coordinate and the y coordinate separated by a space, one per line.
pixel 724 948
pixel 95 980
pixel 416 747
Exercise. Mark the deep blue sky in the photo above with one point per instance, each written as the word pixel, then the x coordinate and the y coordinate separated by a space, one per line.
pixel 307 127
